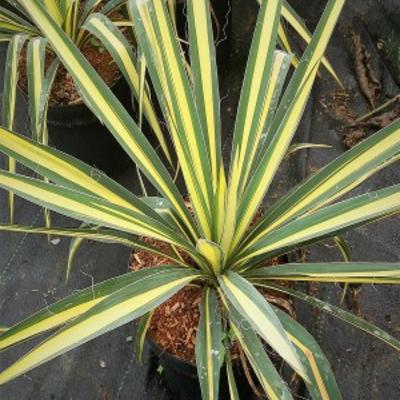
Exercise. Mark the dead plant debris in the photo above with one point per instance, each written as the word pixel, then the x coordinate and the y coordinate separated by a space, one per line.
pixel 365 73
pixel 355 128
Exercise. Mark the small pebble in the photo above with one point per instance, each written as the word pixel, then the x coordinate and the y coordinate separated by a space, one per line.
pixel 55 242
pixel 102 364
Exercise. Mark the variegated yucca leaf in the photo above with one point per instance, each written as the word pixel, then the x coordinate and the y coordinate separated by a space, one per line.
pixel 233 389
pixel 108 109
pixel 290 16
pixel 286 119
pixel 322 384
pixel 67 15
pixel 328 221
pixel 120 49
pixel 135 297
pixel 209 347
pixel 335 179
pixel 68 171
pixel 168 74
pixel 67 309
pixel 263 367
pixel 96 234
pixel 351 272
pixel 247 133
pixel 141 332
pixel 253 307
pixel 9 100
pixel 339 313
pixel 92 209
pixel 210 236
pixel 36 51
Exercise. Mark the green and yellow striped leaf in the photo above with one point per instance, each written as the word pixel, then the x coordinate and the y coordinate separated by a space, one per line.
pixel 252 306
pixel 205 79
pixel 213 253
pixel 97 234
pixel 90 209
pixel 290 15
pixel 108 109
pixel 287 118
pixel 274 386
pixel 159 44
pixel 351 272
pixel 121 50
pixel 327 222
pixel 338 313
pixel 10 28
pixel 209 347
pixel 233 390
pixel 39 88
pixel 9 100
pixel 256 93
pixel 71 10
pixel 35 69
pixel 145 292
pixel 334 180
pixel 322 385
pixel 8 14
pixel 141 333
pixel 69 172
pixel 54 9
pixel 70 307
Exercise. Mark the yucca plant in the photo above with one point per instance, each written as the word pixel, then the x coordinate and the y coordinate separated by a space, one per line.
pixel 84 22
pixel 228 252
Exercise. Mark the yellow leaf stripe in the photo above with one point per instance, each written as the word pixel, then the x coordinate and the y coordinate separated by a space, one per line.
pixel 54 10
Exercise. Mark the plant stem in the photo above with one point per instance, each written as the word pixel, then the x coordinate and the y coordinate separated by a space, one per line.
pixel 378 109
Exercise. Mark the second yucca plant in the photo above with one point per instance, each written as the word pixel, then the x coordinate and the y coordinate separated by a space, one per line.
pixel 228 253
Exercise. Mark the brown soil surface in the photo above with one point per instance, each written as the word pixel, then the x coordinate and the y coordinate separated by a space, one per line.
pixel 174 323
pixel 64 91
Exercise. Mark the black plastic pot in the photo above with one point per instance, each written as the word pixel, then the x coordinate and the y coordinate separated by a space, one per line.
pixel 182 379
pixel 75 130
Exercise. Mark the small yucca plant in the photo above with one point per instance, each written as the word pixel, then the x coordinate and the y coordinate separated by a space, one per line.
pixel 82 22
pixel 227 251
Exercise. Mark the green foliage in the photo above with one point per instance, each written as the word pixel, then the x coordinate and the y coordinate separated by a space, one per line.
pixel 227 252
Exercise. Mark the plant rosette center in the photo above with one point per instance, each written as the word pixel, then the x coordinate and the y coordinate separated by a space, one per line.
pixel 174 324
